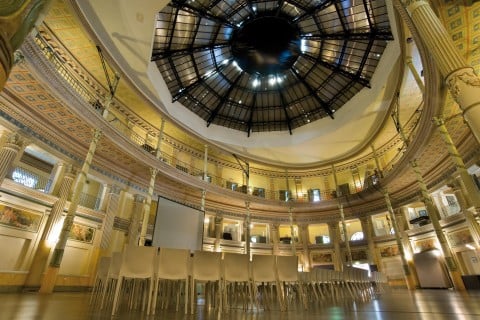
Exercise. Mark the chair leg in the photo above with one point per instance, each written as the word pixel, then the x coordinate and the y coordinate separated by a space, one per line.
pixel 117 292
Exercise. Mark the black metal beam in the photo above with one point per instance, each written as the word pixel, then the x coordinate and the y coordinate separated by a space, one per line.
pixel 341 17
pixel 187 51
pixel 379 35
pixel 172 30
pixel 201 12
pixel 221 103
pixel 252 108
pixel 313 10
pixel 336 68
pixel 279 8
pixel 250 7
pixel 325 106
pixel 193 85
pixel 365 57
pixel 284 106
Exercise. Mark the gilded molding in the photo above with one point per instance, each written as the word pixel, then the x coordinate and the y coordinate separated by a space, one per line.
pixel 464 76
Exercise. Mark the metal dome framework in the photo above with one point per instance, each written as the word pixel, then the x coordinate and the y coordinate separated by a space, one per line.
pixel 340 42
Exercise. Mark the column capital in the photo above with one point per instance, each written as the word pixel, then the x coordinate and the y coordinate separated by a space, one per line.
pixel 413 5
pixel 461 83
pixel 138 198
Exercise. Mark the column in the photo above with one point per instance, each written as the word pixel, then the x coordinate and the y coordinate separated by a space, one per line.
pixel 470 219
pixel 246 228
pixel 17 18
pixel 56 177
pixel 151 188
pixel 8 153
pixel 416 76
pixel 366 223
pixel 304 238
pixel 442 239
pixel 133 237
pixel 470 192
pixel 111 208
pixel 402 224
pixel 345 234
pixel 377 163
pixel 466 182
pixel 51 231
pixel 292 233
pixel 218 231
pixel 334 233
pixel 205 164
pixel 461 80
pixel 275 238
pixel 409 278
pixel 52 271
pixel 147 206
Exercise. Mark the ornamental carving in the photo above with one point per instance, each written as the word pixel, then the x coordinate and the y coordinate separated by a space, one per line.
pixel 467 76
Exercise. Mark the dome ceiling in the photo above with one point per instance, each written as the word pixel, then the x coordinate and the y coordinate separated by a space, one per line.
pixel 258 66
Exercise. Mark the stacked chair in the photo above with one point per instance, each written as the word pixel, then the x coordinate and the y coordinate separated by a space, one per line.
pixel 237 287
pixel 172 269
pixel 153 278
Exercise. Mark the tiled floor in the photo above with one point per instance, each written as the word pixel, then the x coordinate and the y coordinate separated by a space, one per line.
pixel 397 304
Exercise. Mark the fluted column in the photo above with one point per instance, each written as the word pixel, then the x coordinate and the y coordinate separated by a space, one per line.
pixel 461 80
pixel 17 18
pixel 452 267
pixel 409 277
pixel 292 233
pixel 50 233
pixel 416 76
pixel 56 176
pixel 218 231
pixel 377 163
pixel 136 220
pixel 367 229
pixel 8 153
pixel 304 238
pixel 467 183
pixel 275 238
pixel 345 235
pixel 52 271
pixel 147 206
pixel 246 228
pixel 111 210
pixel 334 233
pixel 205 164
pixel 402 224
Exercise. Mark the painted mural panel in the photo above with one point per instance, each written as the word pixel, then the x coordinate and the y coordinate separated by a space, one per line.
pixel 19 218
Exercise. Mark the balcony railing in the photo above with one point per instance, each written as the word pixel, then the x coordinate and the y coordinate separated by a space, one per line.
pixel 146 139
pixel 30 179
pixel 89 201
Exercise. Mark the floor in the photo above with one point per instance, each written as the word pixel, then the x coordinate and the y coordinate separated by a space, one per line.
pixel 396 304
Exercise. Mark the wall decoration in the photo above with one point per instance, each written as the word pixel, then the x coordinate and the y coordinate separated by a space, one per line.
pixel 357 255
pixel 425 245
pixel 19 218
pixel 318 257
pixel 82 233
pixel 390 251
pixel 461 237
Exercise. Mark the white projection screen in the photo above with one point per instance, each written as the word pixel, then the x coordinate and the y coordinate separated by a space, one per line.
pixel 177 226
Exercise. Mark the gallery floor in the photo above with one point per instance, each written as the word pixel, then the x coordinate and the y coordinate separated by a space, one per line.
pixel 397 304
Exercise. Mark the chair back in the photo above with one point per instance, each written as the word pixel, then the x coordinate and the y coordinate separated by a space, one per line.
pixel 287 268
pixel 173 264
pixel 138 262
pixel 236 267
pixel 206 266
pixel 263 268
pixel 103 267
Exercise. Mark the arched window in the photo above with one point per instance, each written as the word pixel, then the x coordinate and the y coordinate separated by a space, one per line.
pixel 357 236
